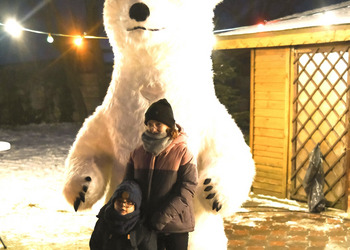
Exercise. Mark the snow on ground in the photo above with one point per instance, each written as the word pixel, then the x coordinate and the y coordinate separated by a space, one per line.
pixel 261 208
pixel 33 211
pixel 34 214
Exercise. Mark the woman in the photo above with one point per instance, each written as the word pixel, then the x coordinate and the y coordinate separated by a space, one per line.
pixel 167 174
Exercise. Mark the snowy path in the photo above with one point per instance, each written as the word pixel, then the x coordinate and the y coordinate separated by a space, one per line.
pixel 33 212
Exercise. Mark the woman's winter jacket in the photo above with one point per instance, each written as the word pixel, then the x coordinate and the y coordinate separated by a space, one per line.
pixel 168 182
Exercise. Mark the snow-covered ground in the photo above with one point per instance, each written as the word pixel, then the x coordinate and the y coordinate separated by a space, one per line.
pixel 33 211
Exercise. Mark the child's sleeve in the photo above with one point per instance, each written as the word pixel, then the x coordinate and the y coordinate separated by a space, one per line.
pixel 97 236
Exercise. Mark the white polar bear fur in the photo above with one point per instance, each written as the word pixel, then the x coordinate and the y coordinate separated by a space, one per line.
pixel 173 63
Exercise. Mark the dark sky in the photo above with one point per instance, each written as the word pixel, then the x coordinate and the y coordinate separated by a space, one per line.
pixel 34 14
pixel 237 13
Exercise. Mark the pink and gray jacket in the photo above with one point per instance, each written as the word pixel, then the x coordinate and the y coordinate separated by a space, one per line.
pixel 168 182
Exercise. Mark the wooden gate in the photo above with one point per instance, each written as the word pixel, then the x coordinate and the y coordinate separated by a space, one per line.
pixel 320 115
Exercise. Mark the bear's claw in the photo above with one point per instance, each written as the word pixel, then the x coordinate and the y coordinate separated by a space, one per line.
pixel 216 205
pixel 76 204
pixel 81 197
pixel 210 196
pixel 207 181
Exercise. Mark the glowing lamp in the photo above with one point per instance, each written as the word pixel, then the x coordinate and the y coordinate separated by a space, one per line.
pixel 13 28
pixel 4 146
pixel 328 18
pixel 78 41
pixel 261 26
pixel 49 39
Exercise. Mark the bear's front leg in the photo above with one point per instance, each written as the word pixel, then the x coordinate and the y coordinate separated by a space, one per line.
pixel 224 184
pixel 86 180
pixel 89 164
pixel 226 167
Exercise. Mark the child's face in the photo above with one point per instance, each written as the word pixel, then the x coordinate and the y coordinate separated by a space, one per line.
pixel 156 127
pixel 124 206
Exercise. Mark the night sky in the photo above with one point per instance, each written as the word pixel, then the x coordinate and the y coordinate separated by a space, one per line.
pixel 228 14
pixel 237 13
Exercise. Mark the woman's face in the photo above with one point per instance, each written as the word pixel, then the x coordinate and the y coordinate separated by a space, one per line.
pixel 155 127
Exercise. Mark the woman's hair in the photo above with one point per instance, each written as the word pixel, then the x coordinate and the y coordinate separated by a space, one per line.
pixel 172 132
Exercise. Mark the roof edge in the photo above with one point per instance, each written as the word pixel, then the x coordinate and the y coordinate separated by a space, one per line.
pixel 292 37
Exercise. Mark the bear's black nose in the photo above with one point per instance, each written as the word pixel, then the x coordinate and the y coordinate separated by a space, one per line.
pixel 139 12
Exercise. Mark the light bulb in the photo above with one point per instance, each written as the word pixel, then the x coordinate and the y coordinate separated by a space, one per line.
pixel 78 41
pixel 50 39
pixel 13 28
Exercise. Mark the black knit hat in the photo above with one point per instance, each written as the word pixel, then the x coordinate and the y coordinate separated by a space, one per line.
pixel 160 111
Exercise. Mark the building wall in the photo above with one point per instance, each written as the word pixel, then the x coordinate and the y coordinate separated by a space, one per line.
pixel 272 144
pixel 270 77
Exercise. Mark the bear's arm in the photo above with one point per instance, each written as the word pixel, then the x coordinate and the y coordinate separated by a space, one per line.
pixel 225 164
pixel 89 164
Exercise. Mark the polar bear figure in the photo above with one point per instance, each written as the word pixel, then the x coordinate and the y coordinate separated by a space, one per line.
pixel 162 49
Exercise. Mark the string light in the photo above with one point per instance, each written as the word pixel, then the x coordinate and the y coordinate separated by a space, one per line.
pixel 78 41
pixel 261 26
pixel 49 39
pixel 327 18
pixel 15 29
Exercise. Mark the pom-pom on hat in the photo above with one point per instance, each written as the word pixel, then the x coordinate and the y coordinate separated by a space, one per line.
pixel 160 111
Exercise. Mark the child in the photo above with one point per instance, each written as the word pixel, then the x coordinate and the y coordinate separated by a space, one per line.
pixel 118 226
pixel 167 173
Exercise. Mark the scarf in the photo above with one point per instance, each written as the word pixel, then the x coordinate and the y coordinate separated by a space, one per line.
pixel 155 143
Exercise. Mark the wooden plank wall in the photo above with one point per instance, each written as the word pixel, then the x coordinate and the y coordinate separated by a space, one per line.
pixel 270 79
